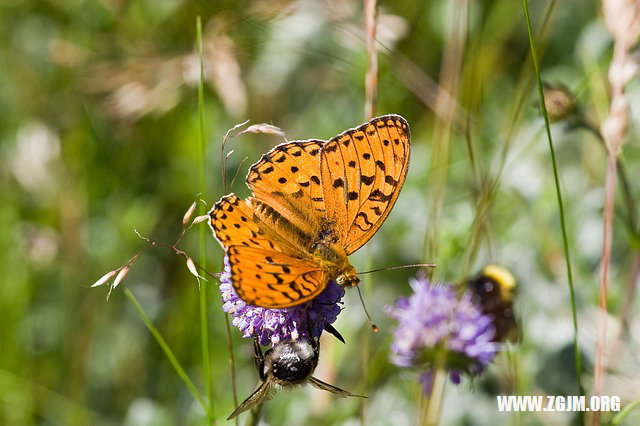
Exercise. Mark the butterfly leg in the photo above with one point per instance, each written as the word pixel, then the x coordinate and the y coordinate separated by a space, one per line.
pixel 327 327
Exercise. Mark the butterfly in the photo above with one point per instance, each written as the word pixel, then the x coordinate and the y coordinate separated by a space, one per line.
pixel 314 203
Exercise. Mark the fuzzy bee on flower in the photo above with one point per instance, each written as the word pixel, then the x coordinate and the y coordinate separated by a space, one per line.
pixel 439 326
pixel 287 364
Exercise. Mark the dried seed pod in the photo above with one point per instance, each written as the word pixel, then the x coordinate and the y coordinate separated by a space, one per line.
pixel 187 216
pixel 559 102
pixel 192 267
pixel 105 278
pixel 123 272
pixel 200 219
pixel 268 129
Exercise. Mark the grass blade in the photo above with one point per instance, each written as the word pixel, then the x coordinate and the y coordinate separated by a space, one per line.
pixel 563 227
pixel 204 317
pixel 167 351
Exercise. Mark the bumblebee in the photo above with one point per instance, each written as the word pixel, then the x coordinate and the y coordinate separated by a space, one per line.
pixel 494 291
pixel 287 364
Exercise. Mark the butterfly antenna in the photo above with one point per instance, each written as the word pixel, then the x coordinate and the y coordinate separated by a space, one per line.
pixel 373 324
pixel 388 268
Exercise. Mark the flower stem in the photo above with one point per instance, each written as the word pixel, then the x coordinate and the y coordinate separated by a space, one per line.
pixel 433 407
pixel 167 351
pixel 534 58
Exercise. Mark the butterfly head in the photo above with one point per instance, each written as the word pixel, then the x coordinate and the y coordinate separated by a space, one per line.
pixel 348 277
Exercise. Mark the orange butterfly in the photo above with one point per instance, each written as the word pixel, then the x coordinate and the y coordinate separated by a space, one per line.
pixel 313 204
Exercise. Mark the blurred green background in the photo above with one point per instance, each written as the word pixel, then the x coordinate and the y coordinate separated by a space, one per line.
pixel 99 136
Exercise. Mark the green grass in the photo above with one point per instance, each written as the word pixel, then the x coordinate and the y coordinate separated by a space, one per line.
pixel 556 180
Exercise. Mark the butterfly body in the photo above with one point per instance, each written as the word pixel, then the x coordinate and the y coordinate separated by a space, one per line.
pixel 314 203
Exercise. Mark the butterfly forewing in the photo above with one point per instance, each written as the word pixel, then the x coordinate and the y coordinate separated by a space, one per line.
pixel 288 178
pixel 362 172
pixel 231 220
pixel 273 279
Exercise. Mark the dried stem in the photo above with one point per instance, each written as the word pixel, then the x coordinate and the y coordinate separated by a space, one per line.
pixel 449 79
pixel 371 89
pixel 610 190
pixel 625 186
pixel 450 74
pixel 622 18
pixel 371 78
pixel 223 157
pixel 232 360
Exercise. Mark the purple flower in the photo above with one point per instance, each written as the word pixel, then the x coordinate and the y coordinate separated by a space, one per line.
pixel 273 325
pixel 435 318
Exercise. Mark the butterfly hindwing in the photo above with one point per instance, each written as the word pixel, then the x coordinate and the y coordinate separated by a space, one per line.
pixel 362 171
pixel 273 279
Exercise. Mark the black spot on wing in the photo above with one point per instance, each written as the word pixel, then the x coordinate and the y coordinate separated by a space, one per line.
pixel 367 180
pixel 380 196
pixel 330 147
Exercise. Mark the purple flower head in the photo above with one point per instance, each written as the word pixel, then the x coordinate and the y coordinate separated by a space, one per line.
pixel 433 319
pixel 273 325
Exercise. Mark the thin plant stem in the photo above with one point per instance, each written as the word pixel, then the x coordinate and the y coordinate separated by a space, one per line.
pixel 371 89
pixel 167 351
pixel 450 72
pixel 610 191
pixel 232 359
pixel 433 407
pixel 625 412
pixel 366 342
pixel 371 78
pixel 614 129
pixel 630 293
pixel 556 179
pixel 232 362
pixel 625 185
pixel 204 317
pixel 254 415
pixel 490 182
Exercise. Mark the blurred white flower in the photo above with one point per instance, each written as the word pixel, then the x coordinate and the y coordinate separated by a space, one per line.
pixel 40 245
pixel 36 152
